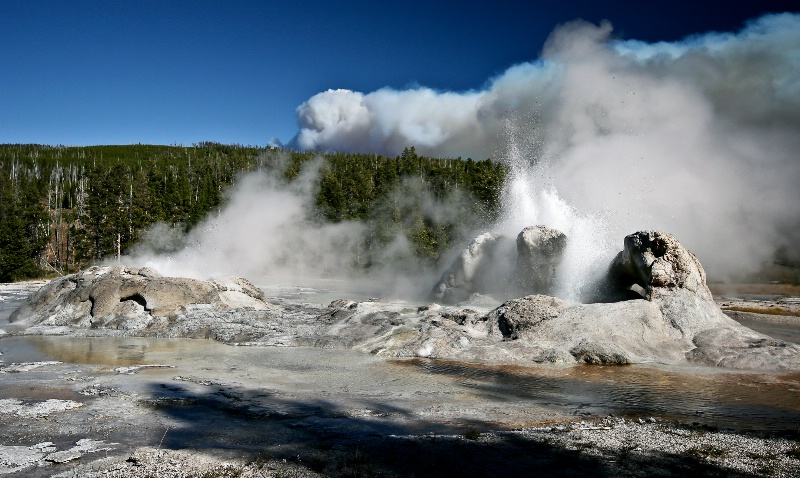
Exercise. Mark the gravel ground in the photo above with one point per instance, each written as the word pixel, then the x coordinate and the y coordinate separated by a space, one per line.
pixel 606 447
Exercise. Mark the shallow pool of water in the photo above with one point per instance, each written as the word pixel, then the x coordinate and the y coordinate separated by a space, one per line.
pixel 724 399
pixel 687 394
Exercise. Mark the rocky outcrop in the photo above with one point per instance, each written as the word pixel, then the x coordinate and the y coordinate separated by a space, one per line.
pixel 659 264
pixel 676 320
pixel 551 330
pixel 492 266
pixel 119 297
pixel 480 268
pixel 515 318
pixel 539 252
pixel 673 320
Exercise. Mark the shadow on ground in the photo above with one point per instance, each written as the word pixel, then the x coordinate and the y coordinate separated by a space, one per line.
pixel 382 440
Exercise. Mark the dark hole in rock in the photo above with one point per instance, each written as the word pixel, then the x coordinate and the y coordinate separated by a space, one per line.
pixel 617 291
pixel 136 298
pixel 659 248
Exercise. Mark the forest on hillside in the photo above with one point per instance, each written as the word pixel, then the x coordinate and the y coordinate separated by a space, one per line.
pixel 64 208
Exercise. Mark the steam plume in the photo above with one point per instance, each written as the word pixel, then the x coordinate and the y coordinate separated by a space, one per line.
pixel 267 233
pixel 697 137
pixel 602 138
pixel 263 231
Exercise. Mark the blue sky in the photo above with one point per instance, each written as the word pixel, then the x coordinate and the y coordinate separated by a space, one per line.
pixel 174 72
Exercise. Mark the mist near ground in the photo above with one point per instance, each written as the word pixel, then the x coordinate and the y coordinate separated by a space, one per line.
pixel 602 138
pixel 264 230
pixel 270 232
pixel 698 137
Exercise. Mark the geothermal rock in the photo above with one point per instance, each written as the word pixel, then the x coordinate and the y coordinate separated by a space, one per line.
pixel 676 322
pixel 480 268
pixel 486 265
pixel 553 330
pixel 126 298
pixel 539 252
pixel 659 264
pixel 515 317
pixel 672 277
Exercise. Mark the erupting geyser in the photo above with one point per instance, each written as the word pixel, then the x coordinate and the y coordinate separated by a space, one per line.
pixel 697 137
pixel 584 246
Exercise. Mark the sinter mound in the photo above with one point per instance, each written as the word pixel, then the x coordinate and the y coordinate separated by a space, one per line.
pixel 668 315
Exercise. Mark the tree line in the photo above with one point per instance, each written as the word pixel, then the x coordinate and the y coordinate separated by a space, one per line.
pixel 64 208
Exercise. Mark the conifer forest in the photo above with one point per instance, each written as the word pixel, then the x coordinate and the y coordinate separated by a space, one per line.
pixel 64 208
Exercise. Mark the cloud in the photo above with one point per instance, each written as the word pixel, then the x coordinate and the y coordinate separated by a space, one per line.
pixel 343 120
pixel 697 137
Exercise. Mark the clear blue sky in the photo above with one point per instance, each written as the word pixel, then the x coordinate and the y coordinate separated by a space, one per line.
pixel 181 72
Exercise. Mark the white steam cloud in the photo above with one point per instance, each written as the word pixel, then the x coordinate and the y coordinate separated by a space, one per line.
pixel 698 137
pixel 267 232
pixel 264 231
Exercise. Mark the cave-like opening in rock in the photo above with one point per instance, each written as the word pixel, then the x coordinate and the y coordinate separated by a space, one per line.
pixel 138 298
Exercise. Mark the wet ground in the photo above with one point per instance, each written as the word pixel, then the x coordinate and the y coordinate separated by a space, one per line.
pixel 475 394
pixel 294 402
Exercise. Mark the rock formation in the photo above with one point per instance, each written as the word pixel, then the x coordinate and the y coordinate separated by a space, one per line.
pixel 127 298
pixel 659 264
pixel 673 320
pixel 491 266
pixel 480 268
pixel 676 320
pixel 539 252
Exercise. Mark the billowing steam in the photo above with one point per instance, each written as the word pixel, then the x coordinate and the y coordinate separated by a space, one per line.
pixel 264 230
pixel 602 138
pixel 267 232
pixel 698 138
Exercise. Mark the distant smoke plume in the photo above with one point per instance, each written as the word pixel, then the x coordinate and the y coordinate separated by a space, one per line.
pixel 698 137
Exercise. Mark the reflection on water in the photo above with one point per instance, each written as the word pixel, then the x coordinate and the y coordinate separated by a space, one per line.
pixel 711 397
pixel 319 291
pixel 111 351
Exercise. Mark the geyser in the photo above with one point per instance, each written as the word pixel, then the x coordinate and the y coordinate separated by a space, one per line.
pixel 601 137
pixel 531 199
pixel 696 137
